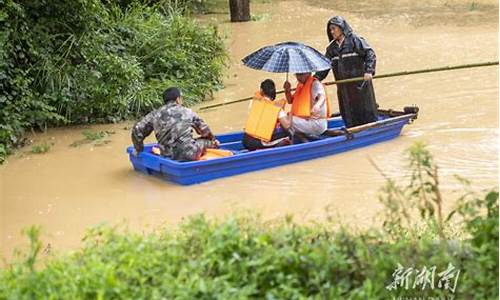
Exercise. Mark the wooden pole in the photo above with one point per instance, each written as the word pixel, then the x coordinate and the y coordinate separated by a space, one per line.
pixel 350 131
pixel 356 79
pixel 240 10
pixel 404 73
pixel 380 123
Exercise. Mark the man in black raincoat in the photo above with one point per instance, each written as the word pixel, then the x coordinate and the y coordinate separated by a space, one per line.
pixel 351 57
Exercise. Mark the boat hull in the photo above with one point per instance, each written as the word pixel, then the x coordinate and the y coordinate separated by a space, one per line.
pixel 187 173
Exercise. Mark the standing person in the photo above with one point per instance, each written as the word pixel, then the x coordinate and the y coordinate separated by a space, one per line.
pixel 310 105
pixel 351 57
pixel 173 125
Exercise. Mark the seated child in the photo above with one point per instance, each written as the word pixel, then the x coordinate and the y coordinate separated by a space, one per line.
pixel 266 116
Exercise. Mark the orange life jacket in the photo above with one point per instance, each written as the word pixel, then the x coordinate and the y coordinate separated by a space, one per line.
pixel 263 117
pixel 302 99
pixel 209 153
pixel 280 102
pixel 215 153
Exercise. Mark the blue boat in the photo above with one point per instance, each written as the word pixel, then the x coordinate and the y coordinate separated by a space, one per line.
pixel 388 127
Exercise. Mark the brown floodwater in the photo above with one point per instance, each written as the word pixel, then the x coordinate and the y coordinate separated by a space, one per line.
pixel 69 189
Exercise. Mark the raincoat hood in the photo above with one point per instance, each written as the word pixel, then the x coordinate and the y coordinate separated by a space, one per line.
pixel 342 23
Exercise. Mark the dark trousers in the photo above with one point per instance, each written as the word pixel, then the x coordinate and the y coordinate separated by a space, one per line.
pixel 251 143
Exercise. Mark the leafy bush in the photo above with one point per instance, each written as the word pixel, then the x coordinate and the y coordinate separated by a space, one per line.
pixel 95 138
pixel 478 216
pixel 41 148
pixel 98 61
pixel 483 230
pixel 244 258
pixel 420 196
pixel 185 6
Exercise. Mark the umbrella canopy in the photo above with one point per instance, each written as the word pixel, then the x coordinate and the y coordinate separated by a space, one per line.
pixel 287 57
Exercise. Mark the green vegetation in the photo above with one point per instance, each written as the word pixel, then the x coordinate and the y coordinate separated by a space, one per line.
pixel 3 152
pixel 259 17
pixel 42 148
pixel 474 6
pixel 209 6
pixel 244 257
pixel 420 196
pixel 87 61
pixel 96 138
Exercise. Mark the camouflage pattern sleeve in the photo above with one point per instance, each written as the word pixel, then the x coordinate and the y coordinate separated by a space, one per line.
pixel 141 130
pixel 201 127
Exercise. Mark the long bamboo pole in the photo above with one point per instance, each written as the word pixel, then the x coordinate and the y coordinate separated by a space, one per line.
pixel 359 128
pixel 356 79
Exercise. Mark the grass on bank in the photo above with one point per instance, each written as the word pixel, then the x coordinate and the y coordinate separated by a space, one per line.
pixel 246 258
pixel 91 137
pixel 41 148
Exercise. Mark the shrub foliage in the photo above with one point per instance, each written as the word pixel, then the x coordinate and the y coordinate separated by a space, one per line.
pixel 79 61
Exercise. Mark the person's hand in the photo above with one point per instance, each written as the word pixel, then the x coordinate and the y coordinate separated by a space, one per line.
pixel 216 143
pixel 135 153
pixel 315 115
pixel 368 76
pixel 287 86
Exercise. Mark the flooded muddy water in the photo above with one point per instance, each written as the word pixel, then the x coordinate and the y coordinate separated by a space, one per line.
pixel 69 189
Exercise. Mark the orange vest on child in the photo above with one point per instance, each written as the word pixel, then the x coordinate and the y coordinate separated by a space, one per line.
pixel 302 100
pixel 263 117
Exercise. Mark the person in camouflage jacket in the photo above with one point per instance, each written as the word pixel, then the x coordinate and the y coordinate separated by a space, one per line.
pixel 173 125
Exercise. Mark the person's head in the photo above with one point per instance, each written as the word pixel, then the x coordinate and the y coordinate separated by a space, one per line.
pixel 335 31
pixel 337 27
pixel 302 77
pixel 172 94
pixel 268 89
